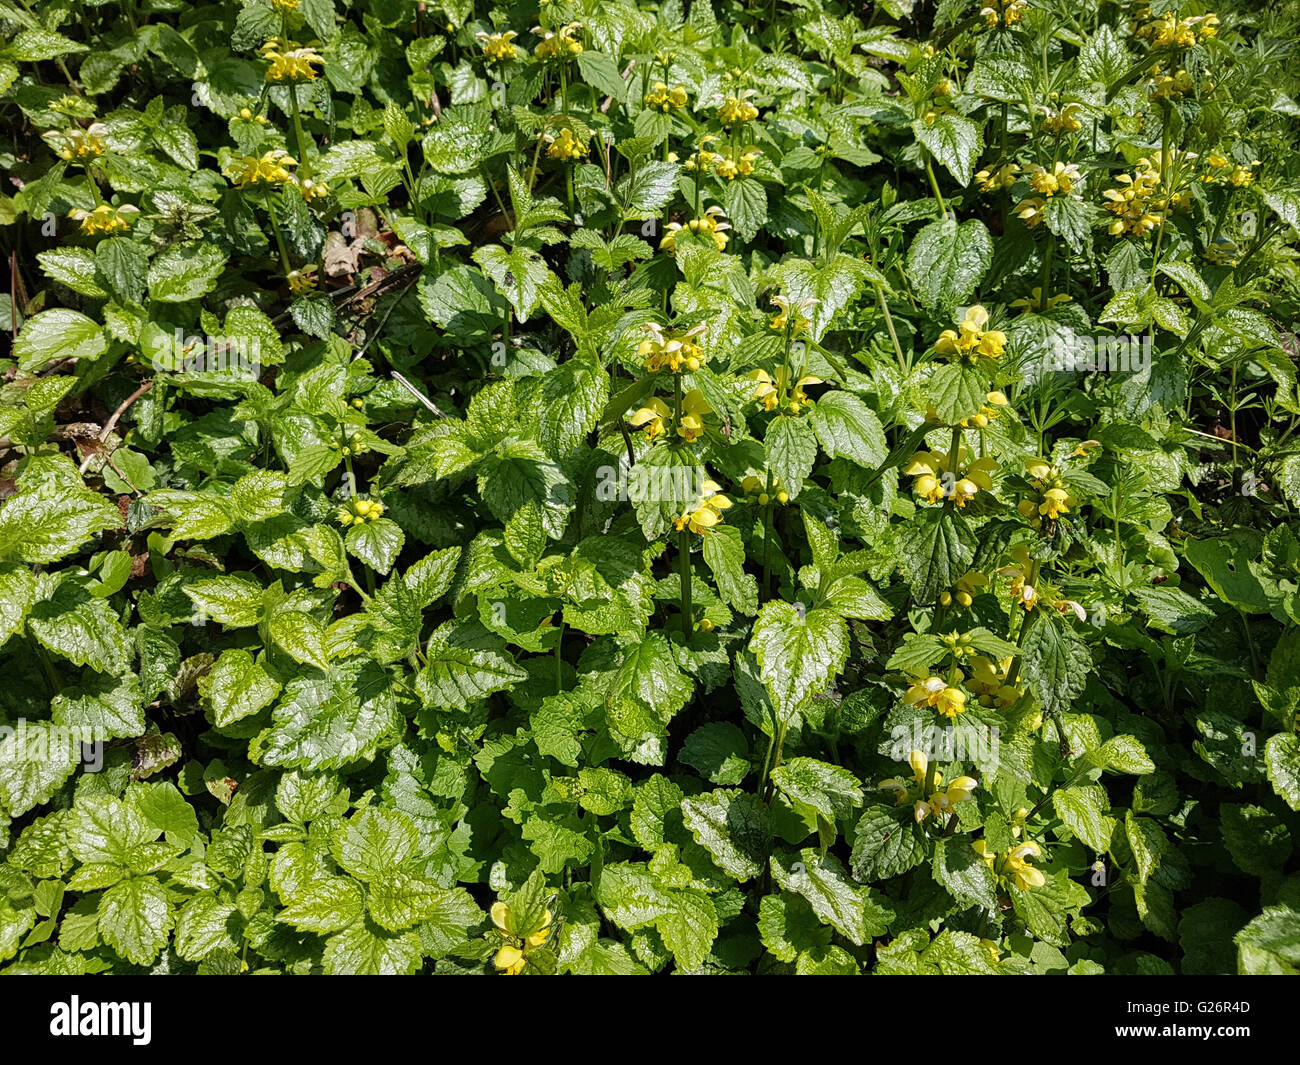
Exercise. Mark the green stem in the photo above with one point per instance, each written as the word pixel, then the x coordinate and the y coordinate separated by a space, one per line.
pixel 934 185
pixel 684 552
pixel 279 239
pixel 304 164
pixel 559 660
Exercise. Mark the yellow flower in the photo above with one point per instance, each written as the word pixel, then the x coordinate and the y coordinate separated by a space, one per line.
pixel 285 7
pixel 711 224
pixel 563 42
pixel 76 143
pixel 756 491
pixel 290 62
pixel 738 108
pixel 650 418
pixel 1055 503
pixel 1061 178
pixel 313 190
pixel 1137 208
pixel 1022 592
pixel 302 281
pixel 988 682
pixel 511 958
pixel 952 702
pixel 360 511
pixel 1030 211
pixel 104 219
pixel 970 340
pixel 927 691
pixel 271 169
pixel 936 482
pixel 967 587
pixel 1017 865
pixel 662 98
pixel 1002 177
pixel 564 146
pixel 1011 12
pixel 1035 302
pixel 694 407
pixel 783 317
pixel 1063 121
pixel 498 46
pixel 707 511
pixel 774 392
pixel 668 351
pixel 1242 175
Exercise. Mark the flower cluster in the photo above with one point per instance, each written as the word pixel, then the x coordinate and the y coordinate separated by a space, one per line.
pixel 733 165
pixel 988 682
pixel 105 219
pixel 290 62
pixel 512 957
pixel 778 392
pixel 938 803
pixel 1170 31
pixel 937 478
pixel 1003 12
pixel 360 511
pixel 706 511
pixel 562 42
pixel 499 46
pixel 964 591
pixel 756 490
pixel 75 143
pixel 939 692
pixel 671 351
pixel 564 145
pixel 711 224
pixel 1052 498
pixel 271 169
pixel 662 98
pixel 970 340
pixel 738 108
pixel 1013 866
pixel 1136 204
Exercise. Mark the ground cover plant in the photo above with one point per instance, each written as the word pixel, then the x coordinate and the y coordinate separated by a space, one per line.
pixel 615 487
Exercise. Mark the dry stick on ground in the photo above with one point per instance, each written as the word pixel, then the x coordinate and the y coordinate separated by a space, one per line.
pixel 112 423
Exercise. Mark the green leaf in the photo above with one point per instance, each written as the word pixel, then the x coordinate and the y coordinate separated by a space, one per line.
pixel 954 141
pixel 185 272
pixel 1082 808
pixel 847 426
pixel 135 918
pixel 1282 757
pixel 957 392
pixel 799 652
pixel 791 452
pixel 377 543
pixel 733 827
pixel 49 523
pixel 719 752
pixel 849 908
pixel 465 662
pixel 58 334
pixel 1056 662
pixel 33 765
pixel 947 261
pixel 238 687
pixel 964 873
pixel 831 790
pixel 936 551
pixel 886 843
pixel 75 624
pixel 235 602
pixel 724 553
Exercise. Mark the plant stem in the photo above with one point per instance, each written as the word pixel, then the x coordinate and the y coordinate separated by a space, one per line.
pixel 684 553
pixel 929 171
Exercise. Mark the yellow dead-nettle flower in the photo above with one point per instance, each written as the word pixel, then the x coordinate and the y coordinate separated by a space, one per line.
pixel 75 143
pixel 756 490
pixel 1022 591
pixel 302 281
pixel 989 682
pixel 970 340
pixel 1243 175
pixel 1001 177
pixel 360 511
pixel 498 46
pixel 563 42
pixel 783 317
pixel 270 169
pixel 738 108
pixel 1014 865
pixel 313 190
pixel 1035 302
pixel 711 224
pixel 1004 12
pixel 1030 211
pixel 564 146
pixel 105 219
pixel 707 511
pixel 650 418
pixel 1063 121
pixel 662 98
pixel 285 7
pixel 939 802
pixel 290 62
pixel 512 957
pixel 938 692
pixel 671 351
pixel 1061 178
pixel 731 166
pixel 774 392
pixel 694 408
pixel 936 481
pixel 1135 203
pixel 964 591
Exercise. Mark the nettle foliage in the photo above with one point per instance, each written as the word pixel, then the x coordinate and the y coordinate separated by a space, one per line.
pixel 619 488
